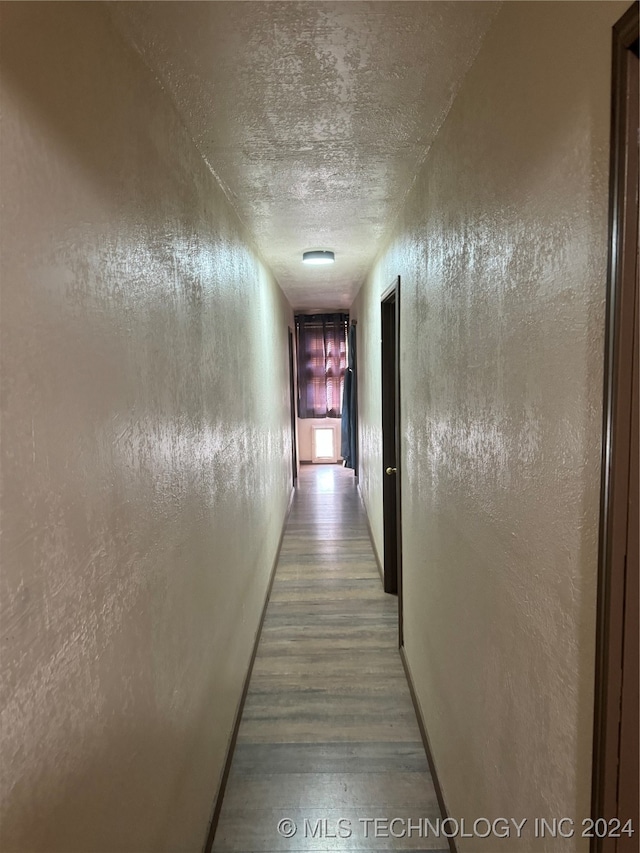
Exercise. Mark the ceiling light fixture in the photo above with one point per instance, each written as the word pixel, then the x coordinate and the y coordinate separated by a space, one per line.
pixel 318 256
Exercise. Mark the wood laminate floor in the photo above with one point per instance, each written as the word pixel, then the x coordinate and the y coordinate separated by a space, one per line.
pixel 328 739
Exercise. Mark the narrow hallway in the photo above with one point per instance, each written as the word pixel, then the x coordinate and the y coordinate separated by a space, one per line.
pixel 328 731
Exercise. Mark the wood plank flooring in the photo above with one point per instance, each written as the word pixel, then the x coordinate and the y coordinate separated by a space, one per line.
pixel 328 732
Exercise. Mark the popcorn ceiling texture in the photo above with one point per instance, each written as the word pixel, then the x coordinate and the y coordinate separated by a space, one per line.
pixel 502 250
pixel 315 115
pixel 145 448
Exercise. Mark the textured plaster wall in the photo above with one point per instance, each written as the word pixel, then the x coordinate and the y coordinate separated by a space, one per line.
pixel 145 448
pixel 502 251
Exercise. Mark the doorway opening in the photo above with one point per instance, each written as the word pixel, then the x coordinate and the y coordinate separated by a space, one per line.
pixel 324 444
pixel 391 493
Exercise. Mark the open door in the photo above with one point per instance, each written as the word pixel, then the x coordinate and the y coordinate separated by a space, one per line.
pixel 616 741
pixel 391 494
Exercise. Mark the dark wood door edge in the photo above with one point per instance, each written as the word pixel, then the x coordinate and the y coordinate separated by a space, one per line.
pixel 392 501
pixel 427 745
pixel 372 540
pixel 389 448
pixel 612 497
pixel 217 805
pixel 399 471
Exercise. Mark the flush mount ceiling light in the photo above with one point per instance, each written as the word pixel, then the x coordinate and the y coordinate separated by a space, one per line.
pixel 318 256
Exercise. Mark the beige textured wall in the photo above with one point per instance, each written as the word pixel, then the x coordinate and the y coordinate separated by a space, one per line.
pixel 502 251
pixel 145 448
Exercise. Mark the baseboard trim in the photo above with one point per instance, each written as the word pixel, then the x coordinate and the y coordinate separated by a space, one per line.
pixel 213 825
pixel 426 744
pixel 373 541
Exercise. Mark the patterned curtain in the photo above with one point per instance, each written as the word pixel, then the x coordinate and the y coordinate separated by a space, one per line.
pixel 322 360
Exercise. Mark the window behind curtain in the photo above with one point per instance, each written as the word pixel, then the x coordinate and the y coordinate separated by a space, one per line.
pixel 322 360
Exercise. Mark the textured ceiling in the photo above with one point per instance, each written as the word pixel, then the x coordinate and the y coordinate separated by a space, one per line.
pixel 314 116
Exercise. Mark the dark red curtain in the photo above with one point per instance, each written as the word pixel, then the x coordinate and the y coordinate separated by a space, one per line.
pixel 322 360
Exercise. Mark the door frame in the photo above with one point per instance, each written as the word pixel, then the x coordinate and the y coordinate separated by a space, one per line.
pixel 391 445
pixel 614 635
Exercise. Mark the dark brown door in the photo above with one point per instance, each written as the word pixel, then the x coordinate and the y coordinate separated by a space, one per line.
pixel 629 748
pixel 616 746
pixel 391 494
pixel 292 399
